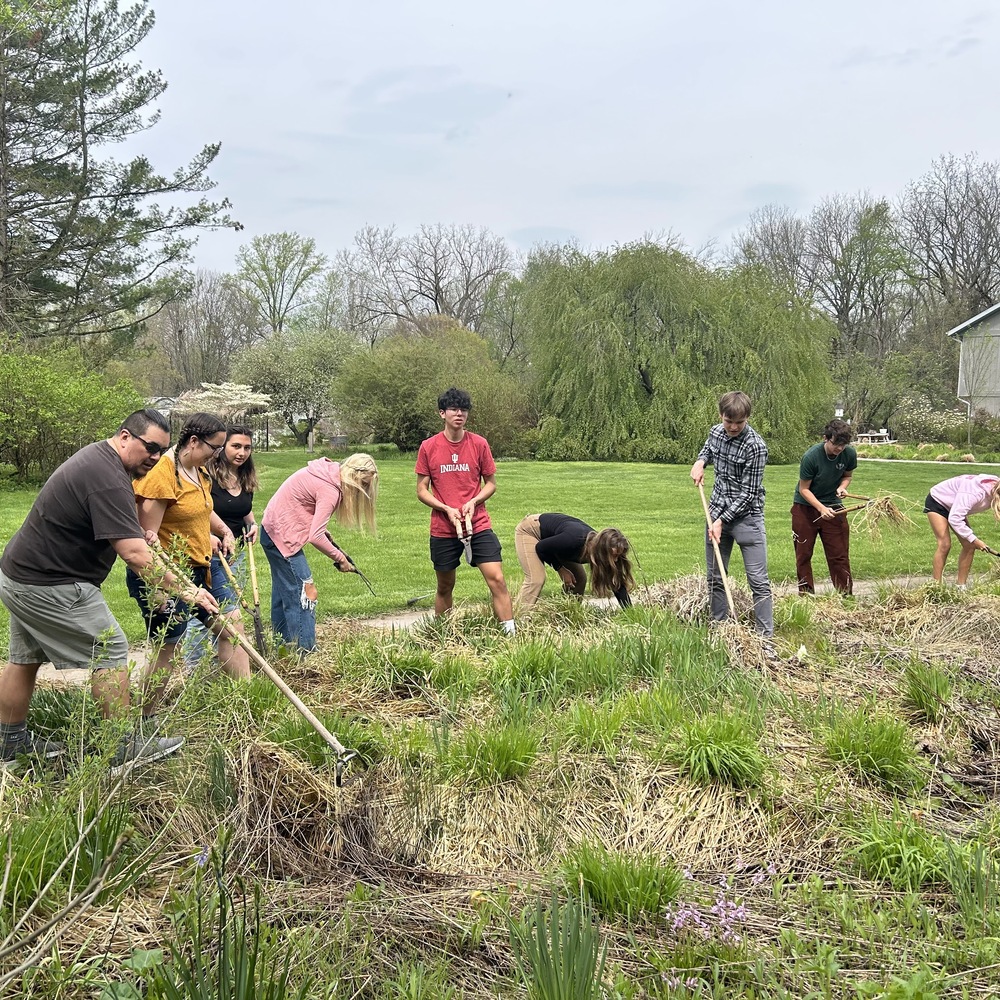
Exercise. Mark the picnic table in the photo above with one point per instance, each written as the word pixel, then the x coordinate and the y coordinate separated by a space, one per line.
pixel 874 437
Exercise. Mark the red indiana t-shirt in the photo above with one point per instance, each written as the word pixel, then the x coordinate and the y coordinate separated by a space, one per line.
pixel 456 470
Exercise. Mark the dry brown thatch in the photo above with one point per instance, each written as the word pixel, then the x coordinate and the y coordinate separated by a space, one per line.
pixel 687 597
pixel 884 511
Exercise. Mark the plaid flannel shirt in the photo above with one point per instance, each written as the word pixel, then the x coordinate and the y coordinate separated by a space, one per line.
pixel 739 472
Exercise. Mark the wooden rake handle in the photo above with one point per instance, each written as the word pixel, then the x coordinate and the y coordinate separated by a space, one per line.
pixel 844 510
pixel 343 754
pixel 253 570
pixel 718 554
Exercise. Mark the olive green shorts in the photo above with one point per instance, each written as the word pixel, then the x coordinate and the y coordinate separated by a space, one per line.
pixel 69 624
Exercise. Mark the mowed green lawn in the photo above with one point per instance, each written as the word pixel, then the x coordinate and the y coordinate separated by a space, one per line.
pixel 657 506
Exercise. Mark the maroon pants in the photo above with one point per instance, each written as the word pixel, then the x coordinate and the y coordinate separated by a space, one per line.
pixel 835 535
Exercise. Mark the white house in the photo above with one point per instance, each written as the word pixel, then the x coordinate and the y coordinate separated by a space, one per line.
pixel 979 361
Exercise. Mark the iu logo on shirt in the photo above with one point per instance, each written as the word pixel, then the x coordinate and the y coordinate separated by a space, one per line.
pixel 455 465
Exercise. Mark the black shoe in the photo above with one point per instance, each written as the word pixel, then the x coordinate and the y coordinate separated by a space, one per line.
pixel 31 747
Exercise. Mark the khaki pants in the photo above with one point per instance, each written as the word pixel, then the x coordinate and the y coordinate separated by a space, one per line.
pixel 526 536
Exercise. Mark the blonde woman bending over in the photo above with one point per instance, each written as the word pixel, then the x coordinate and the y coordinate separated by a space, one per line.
pixel 948 507
pixel 298 515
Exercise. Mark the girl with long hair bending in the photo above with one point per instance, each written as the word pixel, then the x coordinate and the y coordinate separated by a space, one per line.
pixel 298 515
pixel 948 507
pixel 175 503
pixel 566 543
pixel 234 482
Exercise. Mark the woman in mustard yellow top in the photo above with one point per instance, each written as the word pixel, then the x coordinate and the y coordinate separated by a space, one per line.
pixel 175 502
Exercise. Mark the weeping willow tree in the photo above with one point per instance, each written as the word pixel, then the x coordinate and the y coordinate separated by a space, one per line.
pixel 631 349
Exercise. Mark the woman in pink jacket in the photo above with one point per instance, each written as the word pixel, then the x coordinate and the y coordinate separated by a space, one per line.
pixel 948 506
pixel 298 514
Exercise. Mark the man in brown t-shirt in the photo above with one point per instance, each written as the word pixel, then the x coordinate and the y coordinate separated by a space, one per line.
pixel 50 577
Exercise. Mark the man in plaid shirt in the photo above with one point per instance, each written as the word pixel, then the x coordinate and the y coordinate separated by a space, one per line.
pixel 739 455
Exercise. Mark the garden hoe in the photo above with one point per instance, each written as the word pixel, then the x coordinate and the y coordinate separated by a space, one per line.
pixel 718 554
pixel 344 756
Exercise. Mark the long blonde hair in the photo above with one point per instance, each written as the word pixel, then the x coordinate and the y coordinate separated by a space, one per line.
pixel 995 500
pixel 358 492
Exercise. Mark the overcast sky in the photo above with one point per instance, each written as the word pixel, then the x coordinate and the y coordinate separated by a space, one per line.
pixel 551 120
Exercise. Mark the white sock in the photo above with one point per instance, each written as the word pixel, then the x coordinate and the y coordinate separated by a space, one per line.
pixel 509 627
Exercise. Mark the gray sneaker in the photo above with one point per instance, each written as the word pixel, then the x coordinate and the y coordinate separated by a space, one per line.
pixel 138 750
pixel 31 747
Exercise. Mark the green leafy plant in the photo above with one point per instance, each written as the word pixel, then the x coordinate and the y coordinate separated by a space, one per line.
pixel 974 878
pixel 558 950
pixel 223 949
pixel 627 885
pixel 418 981
pixel 63 846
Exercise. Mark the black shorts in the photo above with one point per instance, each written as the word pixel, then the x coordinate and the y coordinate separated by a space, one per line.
pixel 171 621
pixel 446 553
pixel 931 506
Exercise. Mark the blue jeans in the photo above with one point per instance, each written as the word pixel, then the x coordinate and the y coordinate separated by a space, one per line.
pixel 197 641
pixel 748 533
pixel 293 621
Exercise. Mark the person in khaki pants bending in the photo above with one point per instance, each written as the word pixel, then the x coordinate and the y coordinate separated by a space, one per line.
pixel 566 544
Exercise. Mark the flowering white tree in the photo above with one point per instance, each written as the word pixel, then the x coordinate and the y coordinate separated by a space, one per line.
pixel 231 401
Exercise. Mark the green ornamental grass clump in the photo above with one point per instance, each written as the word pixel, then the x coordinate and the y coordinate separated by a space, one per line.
pixel 721 748
pixel 501 752
pixel 875 746
pixel 901 851
pixel 927 690
pixel 622 885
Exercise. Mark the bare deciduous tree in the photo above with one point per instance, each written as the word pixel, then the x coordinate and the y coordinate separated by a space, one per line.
pixel 775 239
pixel 950 221
pixel 438 271
pixel 203 331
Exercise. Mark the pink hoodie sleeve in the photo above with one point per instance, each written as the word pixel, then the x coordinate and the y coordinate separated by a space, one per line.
pixel 326 504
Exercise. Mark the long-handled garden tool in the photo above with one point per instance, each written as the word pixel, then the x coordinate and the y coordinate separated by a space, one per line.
pixel 241 597
pixel 837 511
pixel 364 578
pixel 344 756
pixel 258 625
pixel 718 554
pixel 418 598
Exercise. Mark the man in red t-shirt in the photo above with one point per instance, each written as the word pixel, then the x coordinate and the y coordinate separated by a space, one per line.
pixel 456 475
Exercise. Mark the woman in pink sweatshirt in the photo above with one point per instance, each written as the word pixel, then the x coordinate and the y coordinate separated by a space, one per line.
pixel 298 514
pixel 948 506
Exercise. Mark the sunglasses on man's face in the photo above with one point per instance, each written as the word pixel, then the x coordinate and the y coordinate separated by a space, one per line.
pixel 151 446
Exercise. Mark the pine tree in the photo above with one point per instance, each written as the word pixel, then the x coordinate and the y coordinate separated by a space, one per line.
pixel 85 247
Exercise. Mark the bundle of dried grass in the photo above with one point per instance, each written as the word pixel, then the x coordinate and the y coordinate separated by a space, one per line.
pixel 687 597
pixel 746 650
pixel 884 511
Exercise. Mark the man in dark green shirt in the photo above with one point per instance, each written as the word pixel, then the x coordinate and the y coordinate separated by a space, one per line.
pixel 824 478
